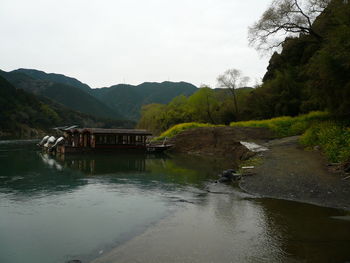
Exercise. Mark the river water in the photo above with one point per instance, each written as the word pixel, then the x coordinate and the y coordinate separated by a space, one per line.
pixel 143 208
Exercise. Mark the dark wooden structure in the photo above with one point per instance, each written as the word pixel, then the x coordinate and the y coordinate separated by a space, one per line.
pixel 95 139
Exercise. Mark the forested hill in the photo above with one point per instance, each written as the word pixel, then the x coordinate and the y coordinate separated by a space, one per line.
pixel 26 115
pixel 69 96
pixel 128 99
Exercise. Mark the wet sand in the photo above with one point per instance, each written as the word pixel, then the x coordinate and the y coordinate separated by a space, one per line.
pixel 202 234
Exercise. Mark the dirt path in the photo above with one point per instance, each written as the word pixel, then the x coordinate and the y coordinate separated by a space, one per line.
pixel 290 172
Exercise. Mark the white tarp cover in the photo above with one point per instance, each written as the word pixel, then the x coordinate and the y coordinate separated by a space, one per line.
pixel 254 147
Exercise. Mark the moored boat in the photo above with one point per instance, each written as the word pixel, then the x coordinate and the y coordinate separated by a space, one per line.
pixel 78 140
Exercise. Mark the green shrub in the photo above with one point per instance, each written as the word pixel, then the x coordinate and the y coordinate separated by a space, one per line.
pixel 332 137
pixel 176 129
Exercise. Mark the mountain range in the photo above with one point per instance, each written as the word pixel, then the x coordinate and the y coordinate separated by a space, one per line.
pixel 118 102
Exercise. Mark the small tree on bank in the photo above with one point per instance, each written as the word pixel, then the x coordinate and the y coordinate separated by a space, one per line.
pixel 232 79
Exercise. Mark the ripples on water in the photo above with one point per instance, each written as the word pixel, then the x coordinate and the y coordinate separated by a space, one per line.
pixel 53 209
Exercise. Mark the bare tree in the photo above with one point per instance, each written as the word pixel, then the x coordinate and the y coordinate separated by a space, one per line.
pixel 232 79
pixel 285 18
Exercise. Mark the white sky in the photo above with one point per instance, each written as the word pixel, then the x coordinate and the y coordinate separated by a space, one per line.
pixel 106 42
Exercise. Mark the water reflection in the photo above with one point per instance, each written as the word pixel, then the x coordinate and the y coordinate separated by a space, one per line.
pixel 306 232
pixel 92 164
pixel 26 170
pixel 143 170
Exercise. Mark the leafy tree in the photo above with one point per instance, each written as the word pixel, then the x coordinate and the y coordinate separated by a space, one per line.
pixel 203 105
pixel 153 117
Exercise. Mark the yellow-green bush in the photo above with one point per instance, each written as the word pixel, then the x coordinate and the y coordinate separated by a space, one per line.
pixel 176 129
pixel 332 137
pixel 286 126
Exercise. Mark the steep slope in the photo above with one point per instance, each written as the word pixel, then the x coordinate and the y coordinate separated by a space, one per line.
pixel 128 99
pixel 70 96
pixel 26 115
pixel 309 73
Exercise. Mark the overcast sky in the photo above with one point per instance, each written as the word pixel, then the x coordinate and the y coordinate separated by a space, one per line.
pixel 106 42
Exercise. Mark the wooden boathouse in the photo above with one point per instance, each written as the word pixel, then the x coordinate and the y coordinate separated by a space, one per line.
pixel 94 139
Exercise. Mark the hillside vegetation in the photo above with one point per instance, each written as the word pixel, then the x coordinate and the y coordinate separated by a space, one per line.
pixel 310 73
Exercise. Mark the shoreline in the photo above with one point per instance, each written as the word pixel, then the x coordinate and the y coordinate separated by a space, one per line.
pixel 289 172
pixel 286 170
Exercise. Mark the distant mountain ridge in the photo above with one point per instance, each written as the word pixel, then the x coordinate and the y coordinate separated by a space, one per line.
pixel 120 101
pixel 53 77
pixel 128 99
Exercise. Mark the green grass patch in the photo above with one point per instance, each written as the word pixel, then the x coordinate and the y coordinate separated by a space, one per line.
pixel 286 126
pixel 176 129
pixel 333 138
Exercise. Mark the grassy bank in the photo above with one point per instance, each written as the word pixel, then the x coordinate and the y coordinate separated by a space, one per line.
pixel 333 138
pixel 287 126
pixel 176 129
pixel 316 129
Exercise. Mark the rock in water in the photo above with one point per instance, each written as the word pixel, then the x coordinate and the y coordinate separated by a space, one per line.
pixel 229 175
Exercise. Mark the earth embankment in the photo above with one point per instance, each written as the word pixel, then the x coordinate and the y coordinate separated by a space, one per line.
pixel 219 141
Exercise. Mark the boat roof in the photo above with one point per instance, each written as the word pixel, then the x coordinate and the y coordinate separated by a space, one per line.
pixel 110 131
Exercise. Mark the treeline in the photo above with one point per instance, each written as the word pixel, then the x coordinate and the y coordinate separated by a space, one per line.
pixel 206 105
pixel 312 72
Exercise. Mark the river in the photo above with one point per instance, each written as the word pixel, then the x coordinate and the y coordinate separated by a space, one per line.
pixel 144 208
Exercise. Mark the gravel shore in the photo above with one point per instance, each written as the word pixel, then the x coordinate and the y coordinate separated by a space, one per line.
pixel 292 173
